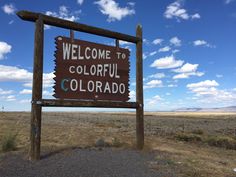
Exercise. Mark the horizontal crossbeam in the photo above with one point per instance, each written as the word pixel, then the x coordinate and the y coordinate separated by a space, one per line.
pixel 85 103
pixel 49 20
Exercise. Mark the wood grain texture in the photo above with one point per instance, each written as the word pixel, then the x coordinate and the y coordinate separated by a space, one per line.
pixel 139 90
pixel 36 110
pixel 86 103
pixel 32 16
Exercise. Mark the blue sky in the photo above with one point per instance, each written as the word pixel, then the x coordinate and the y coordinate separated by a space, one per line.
pixel 188 49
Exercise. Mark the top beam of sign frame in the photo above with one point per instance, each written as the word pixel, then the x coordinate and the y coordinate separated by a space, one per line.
pixel 49 20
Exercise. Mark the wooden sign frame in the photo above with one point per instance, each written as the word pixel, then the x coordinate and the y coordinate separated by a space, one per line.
pixel 38 102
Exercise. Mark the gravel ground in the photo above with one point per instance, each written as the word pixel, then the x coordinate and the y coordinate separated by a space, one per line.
pixel 107 162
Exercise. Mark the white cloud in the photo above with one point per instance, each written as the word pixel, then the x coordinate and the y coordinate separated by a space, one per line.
pixel 131 3
pixel 186 71
pixel 175 41
pixel 11 22
pixel 219 75
pixel 4 49
pixel 9 9
pixel 154 100
pixel 13 73
pixel 25 101
pixel 167 62
pixel 144 56
pixel 153 53
pixel 187 68
pixel 187 75
pixel 206 83
pixel 164 49
pixel 157 41
pixel 229 1
pixel 80 2
pixel 199 42
pixel 132 95
pixel 181 76
pixel 64 13
pixel 206 92
pixel 47 80
pixel 133 84
pixel 200 91
pixel 112 9
pixel 196 16
pixel 5 92
pixel 153 84
pixel 202 43
pixel 175 51
pixel 176 10
pixel 26 91
pixel 10 98
pixel 124 42
pixel 157 75
pixel 145 41
pixel 172 85
pixel 47 93
pixel 29 92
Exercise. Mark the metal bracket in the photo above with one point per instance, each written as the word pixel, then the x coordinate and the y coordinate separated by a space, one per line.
pixel 36 102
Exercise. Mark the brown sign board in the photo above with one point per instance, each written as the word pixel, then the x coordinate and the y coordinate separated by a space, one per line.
pixel 90 71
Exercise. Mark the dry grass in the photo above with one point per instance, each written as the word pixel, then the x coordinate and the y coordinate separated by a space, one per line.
pixel 8 142
pixel 193 160
pixel 193 114
pixel 193 157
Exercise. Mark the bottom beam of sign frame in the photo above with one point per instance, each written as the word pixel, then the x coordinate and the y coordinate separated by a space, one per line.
pixel 85 103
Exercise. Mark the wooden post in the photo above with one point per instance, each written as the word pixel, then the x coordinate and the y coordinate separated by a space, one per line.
pixel 117 43
pixel 139 90
pixel 72 34
pixel 36 108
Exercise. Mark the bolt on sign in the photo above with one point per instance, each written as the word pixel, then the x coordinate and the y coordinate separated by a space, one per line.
pixel 90 71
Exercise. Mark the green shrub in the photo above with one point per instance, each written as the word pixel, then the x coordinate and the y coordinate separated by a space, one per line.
pixel 217 141
pixel 221 141
pixel 188 137
pixel 9 142
pixel 198 132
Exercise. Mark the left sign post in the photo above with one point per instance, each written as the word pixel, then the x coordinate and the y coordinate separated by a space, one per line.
pixel 36 108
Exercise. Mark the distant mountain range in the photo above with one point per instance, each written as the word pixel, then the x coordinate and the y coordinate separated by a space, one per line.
pixel 222 109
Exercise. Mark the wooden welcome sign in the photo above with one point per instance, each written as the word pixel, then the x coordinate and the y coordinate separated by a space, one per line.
pixel 90 71
pixel 87 74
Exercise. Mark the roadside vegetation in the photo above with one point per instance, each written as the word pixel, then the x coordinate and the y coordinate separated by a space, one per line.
pixel 221 141
pixel 190 144
pixel 8 142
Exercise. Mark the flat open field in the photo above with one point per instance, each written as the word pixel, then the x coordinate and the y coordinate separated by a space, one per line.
pixel 191 144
